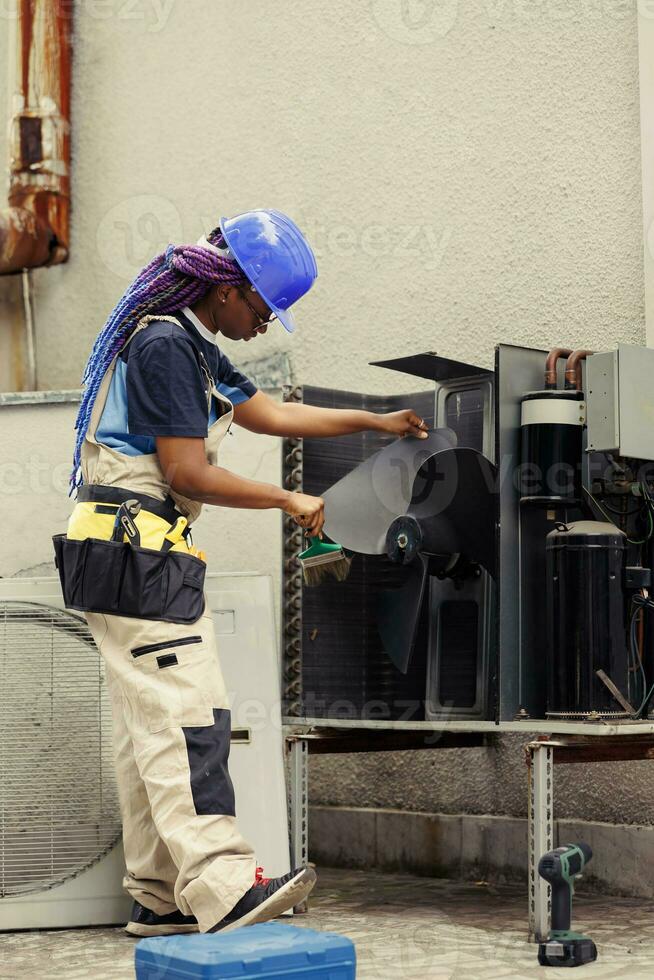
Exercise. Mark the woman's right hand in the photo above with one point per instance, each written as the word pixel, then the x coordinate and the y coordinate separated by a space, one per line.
pixel 308 511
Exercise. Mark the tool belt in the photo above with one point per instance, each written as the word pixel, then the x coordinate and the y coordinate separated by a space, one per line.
pixel 101 494
pixel 124 579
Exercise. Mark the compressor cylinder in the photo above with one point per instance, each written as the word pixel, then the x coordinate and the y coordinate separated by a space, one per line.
pixel 586 618
pixel 551 436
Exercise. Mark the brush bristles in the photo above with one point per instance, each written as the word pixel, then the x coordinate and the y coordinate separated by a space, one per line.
pixel 325 559
pixel 316 571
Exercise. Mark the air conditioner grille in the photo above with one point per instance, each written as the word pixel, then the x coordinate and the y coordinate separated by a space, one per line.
pixel 59 810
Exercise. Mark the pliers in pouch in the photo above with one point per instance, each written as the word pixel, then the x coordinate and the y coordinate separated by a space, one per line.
pixel 124 523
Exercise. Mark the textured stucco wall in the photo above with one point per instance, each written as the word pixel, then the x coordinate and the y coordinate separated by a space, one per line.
pixel 469 172
pixel 490 780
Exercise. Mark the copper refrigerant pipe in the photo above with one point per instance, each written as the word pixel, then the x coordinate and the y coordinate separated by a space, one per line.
pixel 550 365
pixel 573 368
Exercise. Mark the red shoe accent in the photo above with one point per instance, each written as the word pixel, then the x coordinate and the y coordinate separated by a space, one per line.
pixel 259 879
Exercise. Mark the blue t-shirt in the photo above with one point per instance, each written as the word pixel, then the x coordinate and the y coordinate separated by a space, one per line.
pixel 158 388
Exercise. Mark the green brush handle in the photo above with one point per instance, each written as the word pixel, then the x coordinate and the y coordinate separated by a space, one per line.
pixel 318 547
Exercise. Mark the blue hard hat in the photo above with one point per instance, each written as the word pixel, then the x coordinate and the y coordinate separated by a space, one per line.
pixel 274 255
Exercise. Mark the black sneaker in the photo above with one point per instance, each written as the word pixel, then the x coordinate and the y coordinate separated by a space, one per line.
pixel 267 898
pixel 143 922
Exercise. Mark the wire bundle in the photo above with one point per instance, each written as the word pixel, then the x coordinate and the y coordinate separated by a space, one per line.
pixel 646 508
pixel 639 602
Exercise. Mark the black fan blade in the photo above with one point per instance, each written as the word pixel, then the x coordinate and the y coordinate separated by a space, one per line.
pixel 454 501
pixel 360 508
pixel 398 613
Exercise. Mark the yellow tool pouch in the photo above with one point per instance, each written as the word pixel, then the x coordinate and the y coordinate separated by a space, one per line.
pixel 89 520
pixel 95 510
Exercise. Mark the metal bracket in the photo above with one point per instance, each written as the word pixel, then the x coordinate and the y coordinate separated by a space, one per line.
pixel 298 805
pixel 540 760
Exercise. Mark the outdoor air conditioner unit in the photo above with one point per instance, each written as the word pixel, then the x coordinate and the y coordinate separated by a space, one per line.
pixel 61 856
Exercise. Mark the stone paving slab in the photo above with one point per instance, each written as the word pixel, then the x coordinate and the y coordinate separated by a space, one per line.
pixel 404 928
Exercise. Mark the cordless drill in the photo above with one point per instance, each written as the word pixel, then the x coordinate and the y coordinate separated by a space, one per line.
pixel 560 867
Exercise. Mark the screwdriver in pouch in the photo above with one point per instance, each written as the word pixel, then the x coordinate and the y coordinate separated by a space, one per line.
pixel 174 533
pixel 124 523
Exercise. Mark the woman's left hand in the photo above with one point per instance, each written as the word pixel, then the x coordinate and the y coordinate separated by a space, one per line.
pixel 404 423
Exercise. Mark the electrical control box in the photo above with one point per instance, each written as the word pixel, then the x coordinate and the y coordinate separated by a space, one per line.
pixel 620 401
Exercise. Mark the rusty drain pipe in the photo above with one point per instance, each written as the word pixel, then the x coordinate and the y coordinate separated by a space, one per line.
pixel 573 368
pixel 34 228
pixel 550 365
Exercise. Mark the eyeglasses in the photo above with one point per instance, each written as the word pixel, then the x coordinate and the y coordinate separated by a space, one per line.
pixel 260 320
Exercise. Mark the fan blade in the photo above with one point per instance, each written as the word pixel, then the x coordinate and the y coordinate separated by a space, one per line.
pixel 452 512
pixel 398 613
pixel 454 502
pixel 360 507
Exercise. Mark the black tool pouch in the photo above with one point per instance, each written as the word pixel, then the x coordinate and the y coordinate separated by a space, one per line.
pixel 115 577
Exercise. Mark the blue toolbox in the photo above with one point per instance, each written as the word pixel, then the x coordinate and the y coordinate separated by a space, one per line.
pixel 265 950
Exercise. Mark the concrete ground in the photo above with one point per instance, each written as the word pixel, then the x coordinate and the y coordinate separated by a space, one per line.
pixel 403 927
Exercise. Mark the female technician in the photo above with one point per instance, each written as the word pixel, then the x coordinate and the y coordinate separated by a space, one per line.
pixel 159 397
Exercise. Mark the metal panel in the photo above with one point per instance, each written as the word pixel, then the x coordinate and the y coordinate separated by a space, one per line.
pixel 636 400
pixel 540 727
pixel 430 365
pixel 482 383
pixel 517 370
pixel 439 703
pixel 602 401
pixel 620 398
pixel 478 433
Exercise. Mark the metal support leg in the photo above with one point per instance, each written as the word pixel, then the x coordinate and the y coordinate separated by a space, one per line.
pixel 541 835
pixel 298 805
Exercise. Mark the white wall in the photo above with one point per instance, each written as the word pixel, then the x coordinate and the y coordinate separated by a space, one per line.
pixel 468 171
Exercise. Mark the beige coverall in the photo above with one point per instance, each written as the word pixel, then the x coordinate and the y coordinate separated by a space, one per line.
pixel 171 720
